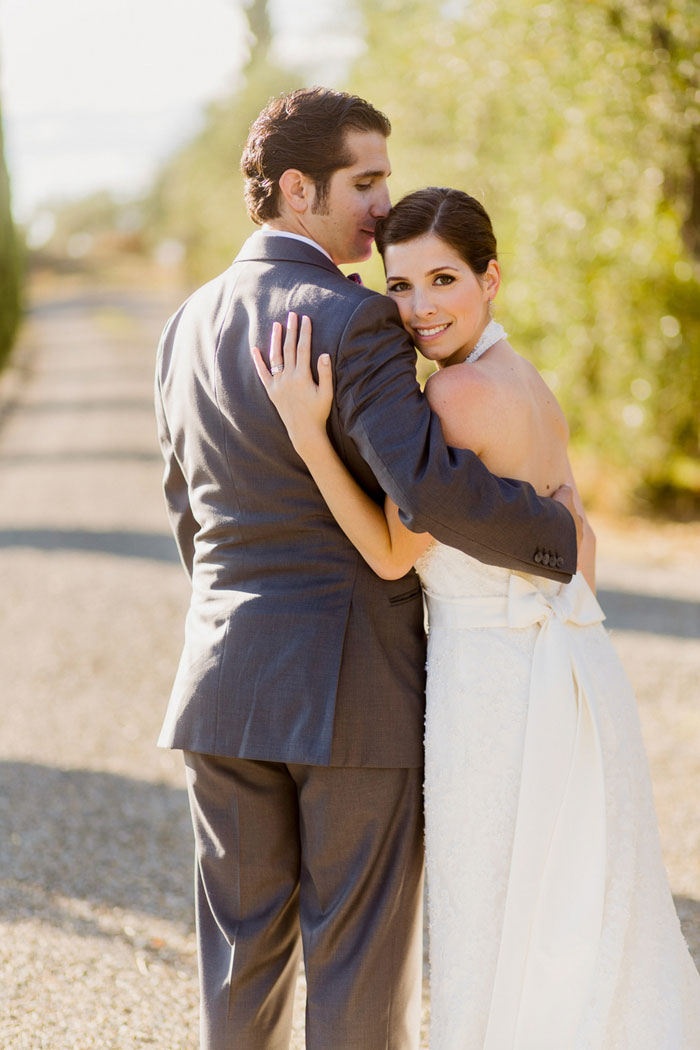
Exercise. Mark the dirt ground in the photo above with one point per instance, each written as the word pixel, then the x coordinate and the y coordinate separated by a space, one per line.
pixel 97 946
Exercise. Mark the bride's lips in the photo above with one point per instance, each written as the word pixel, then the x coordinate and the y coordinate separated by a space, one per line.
pixel 434 331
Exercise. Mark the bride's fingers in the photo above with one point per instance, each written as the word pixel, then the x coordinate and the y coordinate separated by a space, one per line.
pixel 303 361
pixel 290 341
pixel 325 378
pixel 276 360
pixel 261 368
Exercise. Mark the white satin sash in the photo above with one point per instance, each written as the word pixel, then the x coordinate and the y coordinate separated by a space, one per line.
pixel 554 904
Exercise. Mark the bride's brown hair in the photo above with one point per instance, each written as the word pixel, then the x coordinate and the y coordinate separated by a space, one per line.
pixel 452 215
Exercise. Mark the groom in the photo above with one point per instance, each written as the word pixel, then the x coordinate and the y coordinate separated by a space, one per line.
pixel 298 701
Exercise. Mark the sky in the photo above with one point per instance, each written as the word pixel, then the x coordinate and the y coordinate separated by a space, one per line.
pixel 96 93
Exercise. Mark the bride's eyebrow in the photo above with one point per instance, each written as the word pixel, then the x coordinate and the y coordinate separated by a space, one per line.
pixel 428 273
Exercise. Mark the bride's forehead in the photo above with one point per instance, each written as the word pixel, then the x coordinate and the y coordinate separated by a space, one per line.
pixel 422 253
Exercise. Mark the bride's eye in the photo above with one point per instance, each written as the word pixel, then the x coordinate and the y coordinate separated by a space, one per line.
pixel 444 278
pixel 399 286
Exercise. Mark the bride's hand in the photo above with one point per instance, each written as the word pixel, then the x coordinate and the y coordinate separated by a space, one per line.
pixel 302 404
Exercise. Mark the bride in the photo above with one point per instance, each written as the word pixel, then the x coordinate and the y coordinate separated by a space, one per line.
pixel 552 926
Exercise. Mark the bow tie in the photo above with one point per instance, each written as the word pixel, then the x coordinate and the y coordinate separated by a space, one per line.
pixel 354 277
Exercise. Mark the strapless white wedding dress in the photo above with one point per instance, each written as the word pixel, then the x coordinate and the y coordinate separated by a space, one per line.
pixel 552 926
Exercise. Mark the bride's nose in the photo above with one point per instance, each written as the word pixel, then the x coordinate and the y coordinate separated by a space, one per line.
pixel 423 305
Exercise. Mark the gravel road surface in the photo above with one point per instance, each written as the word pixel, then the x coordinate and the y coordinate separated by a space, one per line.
pixel 97 946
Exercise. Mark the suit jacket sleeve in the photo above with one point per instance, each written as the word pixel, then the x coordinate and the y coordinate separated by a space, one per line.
pixel 441 490
pixel 182 520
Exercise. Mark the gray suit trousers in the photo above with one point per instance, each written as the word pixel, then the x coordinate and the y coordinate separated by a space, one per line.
pixel 324 858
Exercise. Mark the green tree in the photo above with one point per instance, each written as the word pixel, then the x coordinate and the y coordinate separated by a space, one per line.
pixel 10 282
pixel 577 125
pixel 198 197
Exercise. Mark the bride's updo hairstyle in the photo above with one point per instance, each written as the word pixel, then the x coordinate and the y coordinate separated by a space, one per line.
pixel 452 215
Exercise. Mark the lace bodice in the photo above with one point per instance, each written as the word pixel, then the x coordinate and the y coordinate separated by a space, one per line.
pixel 449 573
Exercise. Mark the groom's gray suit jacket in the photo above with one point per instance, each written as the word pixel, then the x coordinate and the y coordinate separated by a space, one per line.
pixel 294 650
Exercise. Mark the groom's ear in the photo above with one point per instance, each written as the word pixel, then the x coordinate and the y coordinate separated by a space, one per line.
pixel 296 189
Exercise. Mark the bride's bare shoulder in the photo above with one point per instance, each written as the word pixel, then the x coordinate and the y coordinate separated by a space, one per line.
pixel 464 398
pixel 484 406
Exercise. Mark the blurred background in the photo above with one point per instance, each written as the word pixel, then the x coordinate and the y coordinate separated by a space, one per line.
pixel 577 123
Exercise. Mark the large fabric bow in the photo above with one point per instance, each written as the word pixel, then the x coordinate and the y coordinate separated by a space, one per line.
pixel 554 904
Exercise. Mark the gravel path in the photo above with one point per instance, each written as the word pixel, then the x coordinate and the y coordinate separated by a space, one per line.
pixel 97 946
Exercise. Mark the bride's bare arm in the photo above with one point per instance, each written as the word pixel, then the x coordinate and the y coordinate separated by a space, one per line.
pixel 378 534
pixel 587 546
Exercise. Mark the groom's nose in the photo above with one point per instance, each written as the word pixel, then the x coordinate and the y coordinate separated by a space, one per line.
pixel 381 202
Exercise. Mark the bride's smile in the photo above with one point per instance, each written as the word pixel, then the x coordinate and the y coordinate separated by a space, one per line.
pixel 428 333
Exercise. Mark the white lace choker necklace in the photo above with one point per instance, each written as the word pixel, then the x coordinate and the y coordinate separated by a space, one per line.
pixel 490 335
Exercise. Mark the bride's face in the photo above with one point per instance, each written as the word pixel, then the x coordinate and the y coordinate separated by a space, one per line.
pixel 443 304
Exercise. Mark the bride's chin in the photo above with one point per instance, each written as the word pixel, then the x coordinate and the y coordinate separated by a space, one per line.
pixel 432 351
pixel 435 359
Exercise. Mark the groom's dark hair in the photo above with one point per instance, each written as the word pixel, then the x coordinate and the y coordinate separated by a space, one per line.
pixel 304 130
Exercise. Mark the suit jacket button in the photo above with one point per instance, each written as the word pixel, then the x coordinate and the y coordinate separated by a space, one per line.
pixel 545 559
pixel 538 556
pixel 560 562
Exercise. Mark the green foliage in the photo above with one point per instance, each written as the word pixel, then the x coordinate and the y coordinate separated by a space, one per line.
pixel 198 198
pixel 10 263
pixel 576 123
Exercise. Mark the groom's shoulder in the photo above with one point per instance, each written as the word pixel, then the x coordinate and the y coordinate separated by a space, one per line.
pixel 339 287
pixel 316 289
pixel 269 261
pixel 213 291
pixel 260 285
pixel 347 309
pixel 206 303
